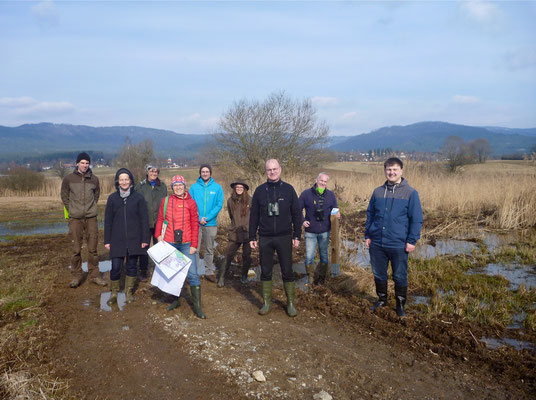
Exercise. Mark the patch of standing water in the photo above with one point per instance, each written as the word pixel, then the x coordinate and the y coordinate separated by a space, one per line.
pixel 444 247
pixel 19 229
pixel 104 297
pixel 517 320
pixel 104 266
pixel 35 228
pixel 358 253
pixel 420 299
pixel 493 343
pixel 515 273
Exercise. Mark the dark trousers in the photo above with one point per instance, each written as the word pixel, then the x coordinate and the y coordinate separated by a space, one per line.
pixel 77 227
pixel 246 254
pixel 283 246
pixel 144 259
pixel 117 265
pixel 379 259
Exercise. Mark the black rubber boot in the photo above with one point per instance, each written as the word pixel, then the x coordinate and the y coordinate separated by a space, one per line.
pixel 196 298
pixel 290 291
pixel 310 270
pixel 381 291
pixel 321 271
pixel 174 304
pixel 143 275
pixel 401 293
pixel 223 270
pixel 267 297
pixel 244 278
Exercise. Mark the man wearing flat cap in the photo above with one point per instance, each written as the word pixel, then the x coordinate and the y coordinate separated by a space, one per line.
pixel 80 191
pixel 153 190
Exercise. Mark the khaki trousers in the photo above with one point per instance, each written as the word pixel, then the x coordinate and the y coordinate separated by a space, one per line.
pixel 77 227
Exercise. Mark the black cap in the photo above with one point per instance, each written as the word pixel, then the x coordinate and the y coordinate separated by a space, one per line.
pixel 205 166
pixel 83 156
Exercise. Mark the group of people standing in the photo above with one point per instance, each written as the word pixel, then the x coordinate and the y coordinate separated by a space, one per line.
pixel 271 221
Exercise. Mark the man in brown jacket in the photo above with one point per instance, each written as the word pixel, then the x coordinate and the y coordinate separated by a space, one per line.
pixel 80 193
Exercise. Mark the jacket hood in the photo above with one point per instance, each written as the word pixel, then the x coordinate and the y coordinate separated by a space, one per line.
pixel 123 171
pixel 209 182
pixel 403 182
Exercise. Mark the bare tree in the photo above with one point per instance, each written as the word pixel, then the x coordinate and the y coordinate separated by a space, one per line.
pixel 456 151
pixel 135 157
pixel 480 149
pixel 278 127
pixel 59 170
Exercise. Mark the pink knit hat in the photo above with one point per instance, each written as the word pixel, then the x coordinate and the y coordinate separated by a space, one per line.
pixel 178 179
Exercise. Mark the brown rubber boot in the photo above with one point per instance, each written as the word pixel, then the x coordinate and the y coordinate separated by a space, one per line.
pixel 78 280
pixel 130 281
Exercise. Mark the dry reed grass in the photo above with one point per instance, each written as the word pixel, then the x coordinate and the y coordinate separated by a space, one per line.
pixel 499 195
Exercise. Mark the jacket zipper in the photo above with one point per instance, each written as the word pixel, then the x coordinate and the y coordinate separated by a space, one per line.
pixel 125 215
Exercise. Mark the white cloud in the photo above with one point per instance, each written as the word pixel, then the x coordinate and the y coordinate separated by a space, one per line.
pixel 479 10
pixel 324 101
pixel 30 108
pixel 464 99
pixel 46 14
pixel 349 115
pixel 195 123
pixel 13 102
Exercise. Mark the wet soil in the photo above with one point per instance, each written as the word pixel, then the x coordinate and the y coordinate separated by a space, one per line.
pixel 335 344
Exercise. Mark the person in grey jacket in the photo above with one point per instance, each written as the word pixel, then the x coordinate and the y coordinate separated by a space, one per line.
pixel 153 190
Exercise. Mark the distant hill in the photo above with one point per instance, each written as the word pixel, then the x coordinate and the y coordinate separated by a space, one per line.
pixel 33 140
pixel 40 140
pixel 430 136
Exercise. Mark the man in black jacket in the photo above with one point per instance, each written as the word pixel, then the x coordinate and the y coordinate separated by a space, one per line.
pixel 275 213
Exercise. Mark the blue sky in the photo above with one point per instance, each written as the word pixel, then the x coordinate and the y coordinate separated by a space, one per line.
pixel 179 65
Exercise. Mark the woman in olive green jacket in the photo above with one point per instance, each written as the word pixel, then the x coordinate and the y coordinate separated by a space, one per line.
pixel 153 190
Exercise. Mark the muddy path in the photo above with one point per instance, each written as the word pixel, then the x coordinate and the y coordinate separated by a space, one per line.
pixel 334 345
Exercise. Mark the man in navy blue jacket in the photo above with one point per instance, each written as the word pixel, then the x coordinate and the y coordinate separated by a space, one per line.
pixel 394 221
pixel 275 214
pixel 318 202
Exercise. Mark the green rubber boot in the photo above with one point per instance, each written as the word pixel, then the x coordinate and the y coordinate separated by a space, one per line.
pixel 290 291
pixel 223 270
pixel 267 297
pixel 196 298
pixel 174 304
pixel 114 289
pixel 130 281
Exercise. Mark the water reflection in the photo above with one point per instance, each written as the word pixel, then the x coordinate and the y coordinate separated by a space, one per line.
pixel 515 273
pixel 104 297
pixel 35 228
pixel 493 343
pixel 104 266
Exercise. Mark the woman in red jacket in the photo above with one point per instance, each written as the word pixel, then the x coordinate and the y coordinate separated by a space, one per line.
pixel 182 233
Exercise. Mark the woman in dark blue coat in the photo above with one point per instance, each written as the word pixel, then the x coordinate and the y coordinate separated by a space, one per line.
pixel 126 232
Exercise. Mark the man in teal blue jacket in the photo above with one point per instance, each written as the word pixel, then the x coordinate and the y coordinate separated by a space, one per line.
pixel 208 196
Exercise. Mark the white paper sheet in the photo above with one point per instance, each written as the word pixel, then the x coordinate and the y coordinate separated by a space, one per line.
pixel 160 251
pixel 172 286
